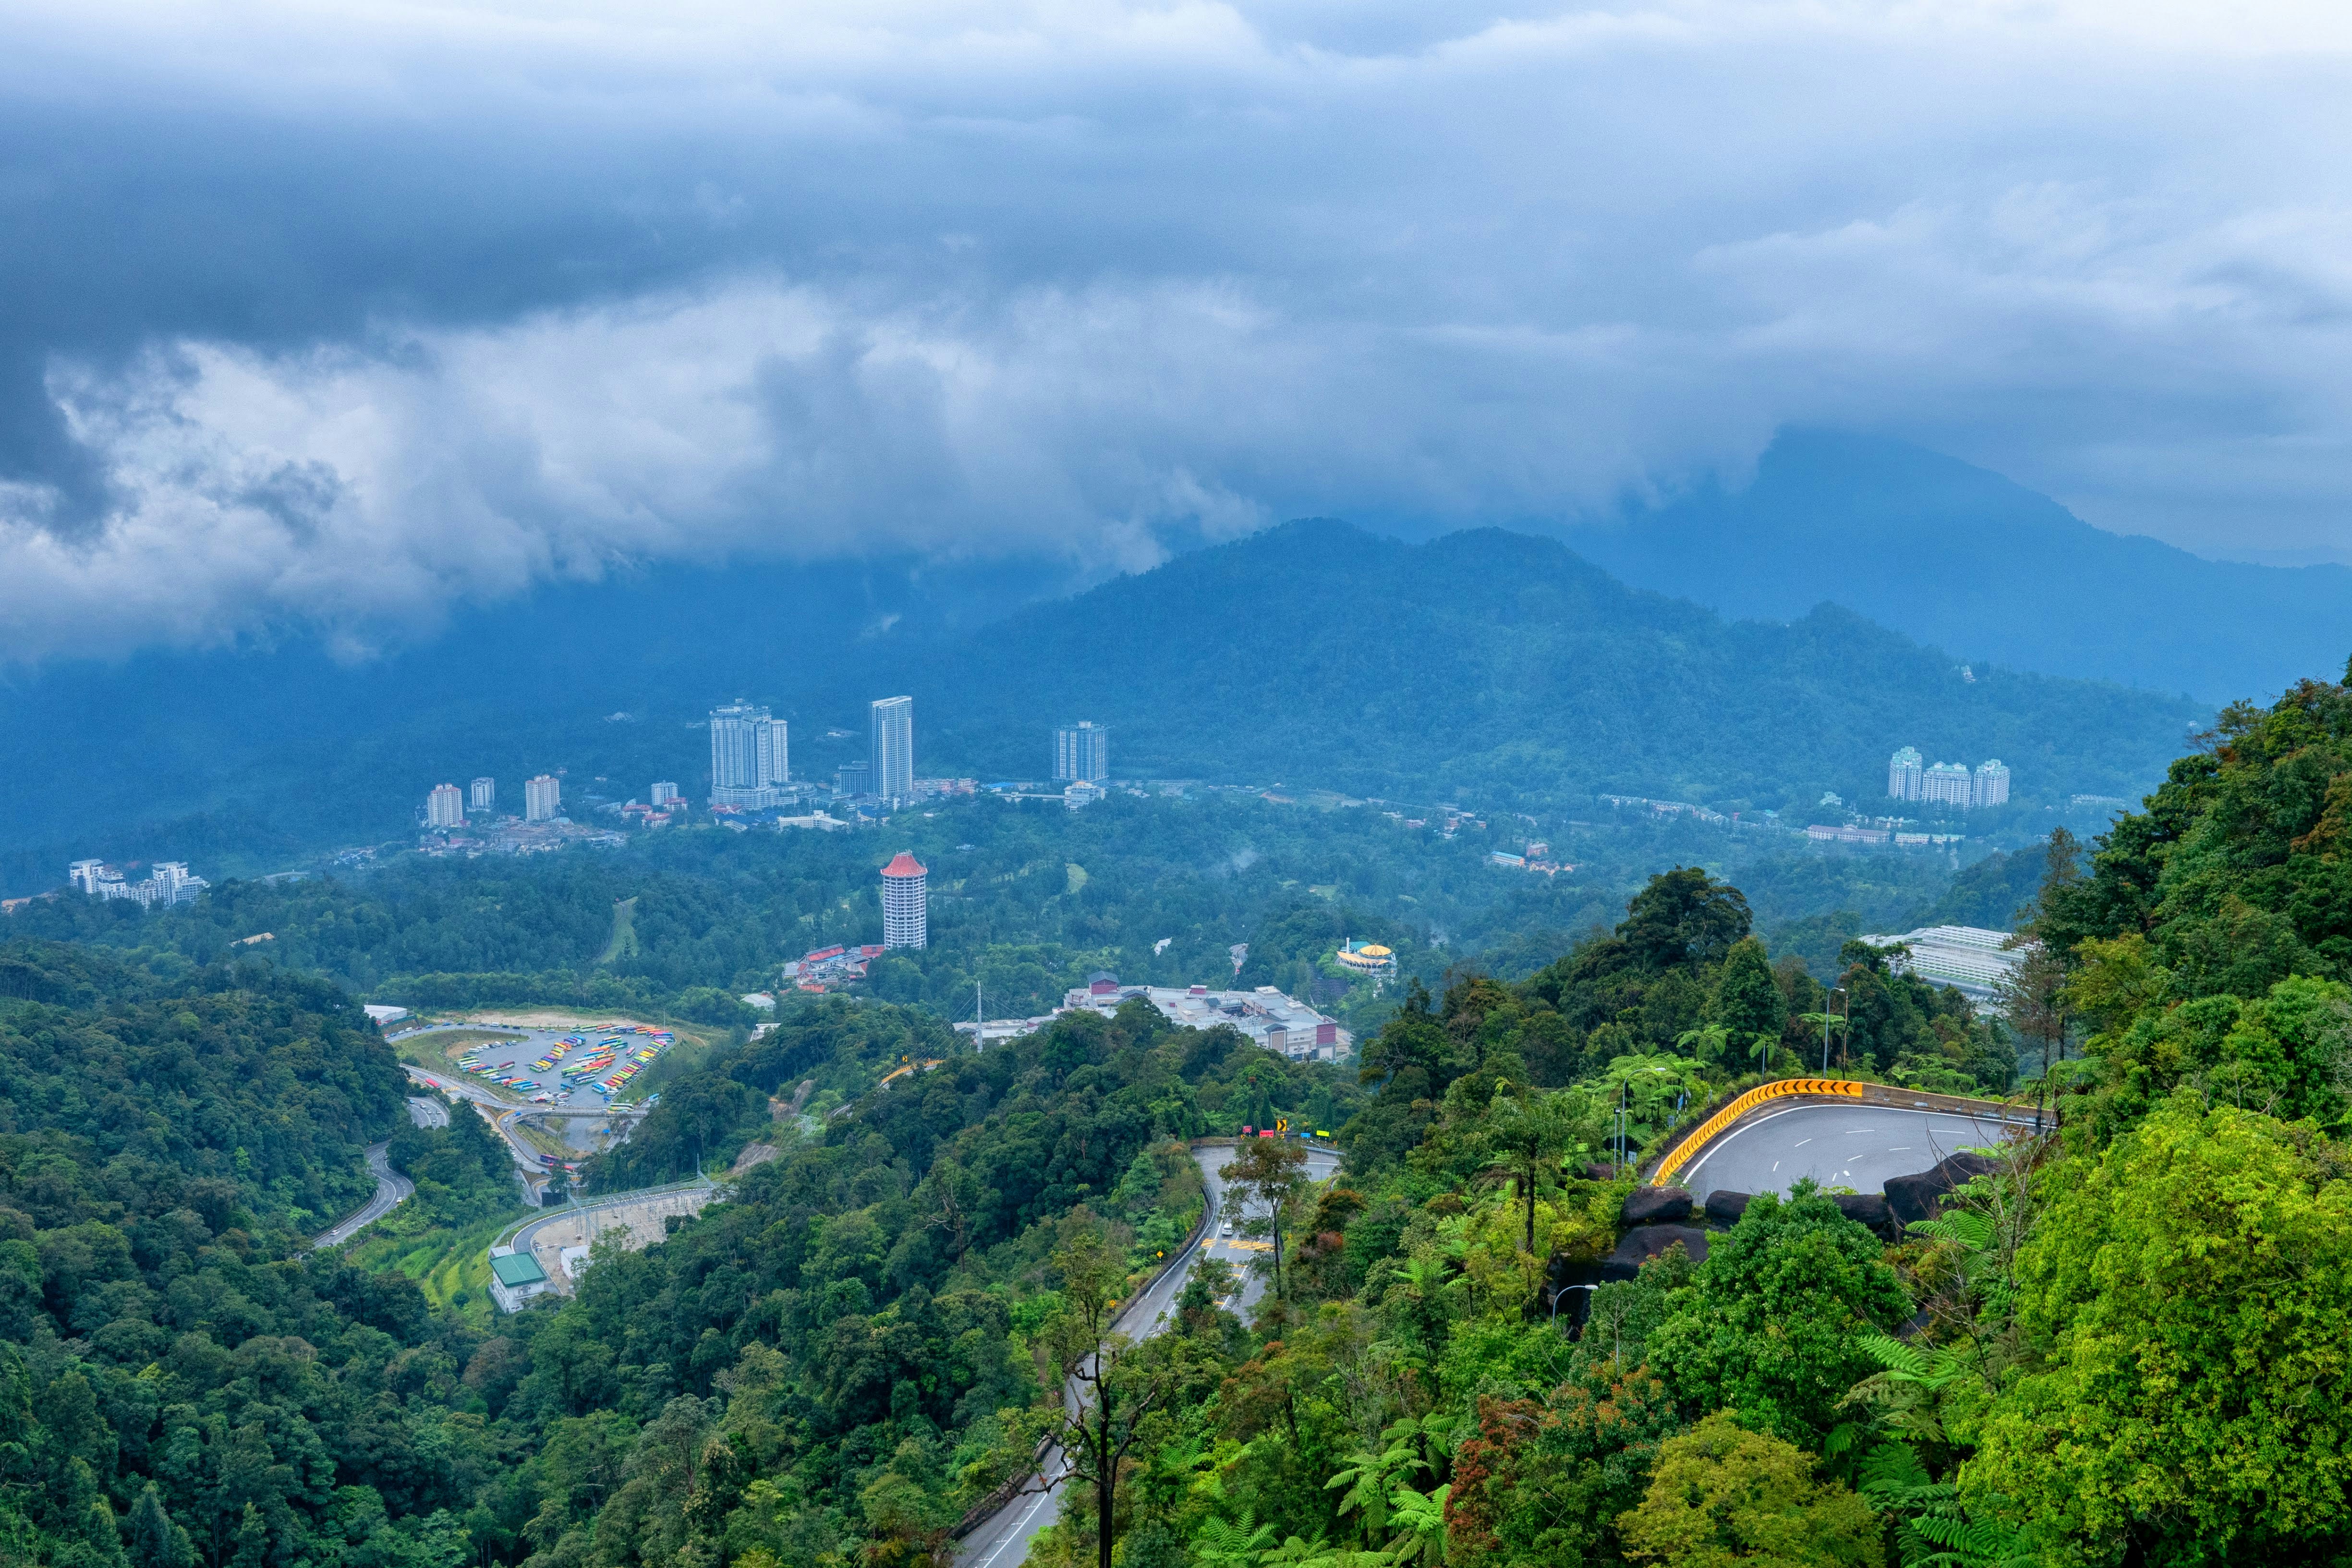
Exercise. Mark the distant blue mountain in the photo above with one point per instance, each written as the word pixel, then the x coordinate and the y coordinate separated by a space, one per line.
pixel 1485 666
pixel 1965 559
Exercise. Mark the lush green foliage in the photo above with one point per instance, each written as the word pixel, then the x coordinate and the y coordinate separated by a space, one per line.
pixel 1722 1495
pixel 2186 1302
pixel 1026 902
pixel 124 1093
pixel 181 1379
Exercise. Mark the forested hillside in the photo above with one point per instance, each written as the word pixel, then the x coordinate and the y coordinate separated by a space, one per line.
pixel 1509 670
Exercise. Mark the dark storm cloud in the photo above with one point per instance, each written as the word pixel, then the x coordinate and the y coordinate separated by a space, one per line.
pixel 335 316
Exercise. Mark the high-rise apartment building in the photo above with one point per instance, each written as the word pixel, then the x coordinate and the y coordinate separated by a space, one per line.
pixel 444 807
pixel 664 792
pixel 905 902
pixel 168 883
pixel 853 779
pixel 1947 783
pixel 485 795
pixel 891 725
pixel 1081 753
pixel 1905 771
pixel 751 755
pixel 542 799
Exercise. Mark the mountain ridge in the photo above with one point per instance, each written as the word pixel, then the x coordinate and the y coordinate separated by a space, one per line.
pixel 1486 664
pixel 1959 556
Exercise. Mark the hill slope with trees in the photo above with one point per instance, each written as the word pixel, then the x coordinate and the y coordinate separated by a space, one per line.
pixel 1506 670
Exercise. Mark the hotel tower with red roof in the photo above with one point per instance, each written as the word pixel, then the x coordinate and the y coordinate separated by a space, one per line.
pixel 905 902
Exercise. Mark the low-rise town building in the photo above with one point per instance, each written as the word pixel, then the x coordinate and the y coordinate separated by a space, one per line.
pixel 1973 961
pixel 515 1278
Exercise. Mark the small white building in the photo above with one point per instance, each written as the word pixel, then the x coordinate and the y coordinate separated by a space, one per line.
pixel 515 1278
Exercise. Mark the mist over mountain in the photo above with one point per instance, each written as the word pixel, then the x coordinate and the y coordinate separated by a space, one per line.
pixel 1961 558
pixel 1485 666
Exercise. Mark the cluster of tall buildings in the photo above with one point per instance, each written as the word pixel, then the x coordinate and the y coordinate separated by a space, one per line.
pixel 447 807
pixel 751 756
pixel 166 882
pixel 1947 783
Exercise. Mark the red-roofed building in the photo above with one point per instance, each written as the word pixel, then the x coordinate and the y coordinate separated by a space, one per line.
pixel 905 902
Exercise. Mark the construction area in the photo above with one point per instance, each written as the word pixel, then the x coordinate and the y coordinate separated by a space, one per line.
pixel 562 1242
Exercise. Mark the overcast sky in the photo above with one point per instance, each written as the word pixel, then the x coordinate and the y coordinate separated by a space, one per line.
pixel 332 315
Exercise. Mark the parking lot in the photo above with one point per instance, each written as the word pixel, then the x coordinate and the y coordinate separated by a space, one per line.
pixel 559 1084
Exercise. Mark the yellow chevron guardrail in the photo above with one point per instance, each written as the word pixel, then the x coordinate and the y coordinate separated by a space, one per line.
pixel 1690 1148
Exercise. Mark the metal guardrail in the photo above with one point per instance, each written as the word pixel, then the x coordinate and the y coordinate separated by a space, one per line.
pixel 1706 1132
pixel 1687 1148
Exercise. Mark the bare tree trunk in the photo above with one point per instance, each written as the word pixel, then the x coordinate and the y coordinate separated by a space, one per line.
pixel 1106 1499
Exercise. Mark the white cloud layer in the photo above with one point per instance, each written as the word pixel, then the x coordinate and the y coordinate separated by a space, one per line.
pixel 1075 279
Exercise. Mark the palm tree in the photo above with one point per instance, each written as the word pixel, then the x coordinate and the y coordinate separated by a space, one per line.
pixel 1524 1131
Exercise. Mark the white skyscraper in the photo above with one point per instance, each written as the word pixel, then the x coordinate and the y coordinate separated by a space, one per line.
pixel 542 799
pixel 484 797
pixel 444 807
pixel 1990 785
pixel 891 722
pixel 1081 753
pixel 664 792
pixel 905 902
pixel 751 755
pixel 1904 773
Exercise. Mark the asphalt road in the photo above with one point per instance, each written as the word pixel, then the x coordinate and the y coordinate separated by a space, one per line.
pixel 428 1110
pixel 1857 1146
pixel 502 1114
pixel 1003 1541
pixel 391 1190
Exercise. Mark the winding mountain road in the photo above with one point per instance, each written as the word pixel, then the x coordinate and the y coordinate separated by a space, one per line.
pixel 1002 1541
pixel 391 1190
pixel 1853 1146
